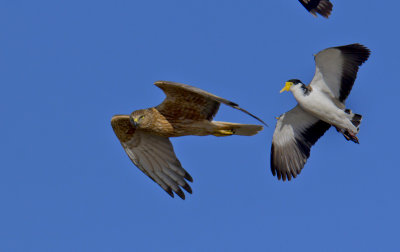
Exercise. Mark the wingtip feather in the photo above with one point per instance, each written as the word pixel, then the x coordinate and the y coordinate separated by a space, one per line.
pixel 170 193
pixel 187 188
pixel 180 193
pixel 188 177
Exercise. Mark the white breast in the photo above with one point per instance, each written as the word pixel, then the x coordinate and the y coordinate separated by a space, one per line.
pixel 321 106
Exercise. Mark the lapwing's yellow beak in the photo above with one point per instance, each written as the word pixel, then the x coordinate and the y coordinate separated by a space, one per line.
pixel 287 86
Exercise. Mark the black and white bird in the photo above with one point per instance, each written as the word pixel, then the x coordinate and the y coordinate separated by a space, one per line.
pixel 322 7
pixel 321 104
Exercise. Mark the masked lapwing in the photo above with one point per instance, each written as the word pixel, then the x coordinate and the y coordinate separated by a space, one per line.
pixel 321 104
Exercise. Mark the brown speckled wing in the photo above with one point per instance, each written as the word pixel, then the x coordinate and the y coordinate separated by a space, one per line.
pixel 153 155
pixel 187 102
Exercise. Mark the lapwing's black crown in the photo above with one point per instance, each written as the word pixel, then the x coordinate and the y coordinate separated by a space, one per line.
pixel 295 81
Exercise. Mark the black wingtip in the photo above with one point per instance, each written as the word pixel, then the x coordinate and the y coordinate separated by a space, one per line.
pixel 361 52
pixel 188 177
pixel 322 7
pixel 180 193
pixel 187 188
pixel 170 193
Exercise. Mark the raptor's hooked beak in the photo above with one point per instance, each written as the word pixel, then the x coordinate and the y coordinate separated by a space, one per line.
pixel 288 84
pixel 135 121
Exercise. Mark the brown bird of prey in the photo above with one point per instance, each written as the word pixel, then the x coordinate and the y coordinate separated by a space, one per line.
pixel 322 7
pixel 320 105
pixel 186 110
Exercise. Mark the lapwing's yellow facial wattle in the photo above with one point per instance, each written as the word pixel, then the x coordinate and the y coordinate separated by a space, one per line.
pixel 288 84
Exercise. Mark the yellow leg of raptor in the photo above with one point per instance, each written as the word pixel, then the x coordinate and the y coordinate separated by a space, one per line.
pixel 221 133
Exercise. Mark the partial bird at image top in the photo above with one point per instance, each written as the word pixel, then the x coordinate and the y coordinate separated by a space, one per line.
pixel 186 110
pixel 322 7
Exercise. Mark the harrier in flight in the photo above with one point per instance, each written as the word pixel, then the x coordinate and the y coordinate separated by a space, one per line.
pixel 186 110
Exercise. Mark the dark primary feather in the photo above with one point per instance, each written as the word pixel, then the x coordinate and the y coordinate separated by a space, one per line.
pixel 354 56
pixel 192 103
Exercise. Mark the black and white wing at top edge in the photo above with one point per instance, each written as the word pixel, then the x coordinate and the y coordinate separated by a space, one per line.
pixel 336 69
pixel 153 155
pixel 296 131
pixel 322 7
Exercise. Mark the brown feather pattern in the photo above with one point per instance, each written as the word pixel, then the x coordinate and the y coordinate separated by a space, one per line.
pixel 186 110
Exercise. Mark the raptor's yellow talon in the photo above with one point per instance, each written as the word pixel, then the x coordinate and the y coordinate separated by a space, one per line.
pixel 223 133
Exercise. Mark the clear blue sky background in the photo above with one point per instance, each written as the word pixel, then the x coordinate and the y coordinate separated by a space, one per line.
pixel 66 67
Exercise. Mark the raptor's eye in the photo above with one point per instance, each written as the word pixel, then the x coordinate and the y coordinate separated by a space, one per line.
pixel 141 117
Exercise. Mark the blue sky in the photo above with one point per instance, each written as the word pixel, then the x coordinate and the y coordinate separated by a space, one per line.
pixel 66 67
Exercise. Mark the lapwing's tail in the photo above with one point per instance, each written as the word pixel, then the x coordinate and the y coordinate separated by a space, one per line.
pixel 356 121
pixel 354 118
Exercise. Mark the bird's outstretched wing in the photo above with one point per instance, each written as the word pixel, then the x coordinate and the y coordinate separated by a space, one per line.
pixel 296 131
pixel 336 69
pixel 187 102
pixel 153 155
pixel 322 7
